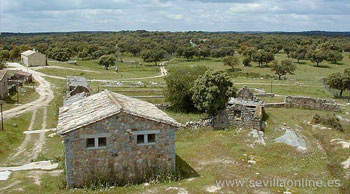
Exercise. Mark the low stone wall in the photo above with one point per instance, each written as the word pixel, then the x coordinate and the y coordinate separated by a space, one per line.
pixel 198 124
pixel 275 105
pixel 311 103
pixel 265 95
pixel 306 103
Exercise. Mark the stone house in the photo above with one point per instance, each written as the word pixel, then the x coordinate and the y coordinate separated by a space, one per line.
pixel 4 92
pixel 109 136
pixel 244 111
pixel 33 58
pixel 77 85
pixel 22 76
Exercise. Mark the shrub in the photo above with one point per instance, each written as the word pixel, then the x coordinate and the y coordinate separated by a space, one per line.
pixel 179 83
pixel 212 91
pixel 330 121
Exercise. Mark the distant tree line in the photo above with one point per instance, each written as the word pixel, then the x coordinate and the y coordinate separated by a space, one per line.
pixel 156 46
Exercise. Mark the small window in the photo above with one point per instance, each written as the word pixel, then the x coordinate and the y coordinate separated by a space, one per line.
pixel 151 138
pixel 140 139
pixel 90 142
pixel 102 142
pixel 238 113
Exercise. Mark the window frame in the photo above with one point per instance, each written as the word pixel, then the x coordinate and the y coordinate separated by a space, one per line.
pixel 145 136
pixel 96 138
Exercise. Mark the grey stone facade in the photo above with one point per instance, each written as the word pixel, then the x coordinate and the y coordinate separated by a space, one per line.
pixel 122 159
pixel 116 153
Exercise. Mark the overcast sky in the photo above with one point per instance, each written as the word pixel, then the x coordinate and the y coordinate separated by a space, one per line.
pixel 174 15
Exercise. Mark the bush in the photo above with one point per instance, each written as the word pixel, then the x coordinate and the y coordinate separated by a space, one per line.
pixel 330 121
pixel 179 83
pixel 212 91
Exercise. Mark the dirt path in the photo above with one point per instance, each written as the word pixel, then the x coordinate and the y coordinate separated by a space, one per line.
pixel 66 68
pixel 27 152
pixel 39 144
pixel 23 146
pixel 44 90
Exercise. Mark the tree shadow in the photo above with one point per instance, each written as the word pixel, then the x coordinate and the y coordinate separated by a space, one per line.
pixel 9 100
pixel 234 70
pixel 184 170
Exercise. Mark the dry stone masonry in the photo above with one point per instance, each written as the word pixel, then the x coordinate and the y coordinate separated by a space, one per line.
pixel 112 137
pixel 244 111
pixel 306 103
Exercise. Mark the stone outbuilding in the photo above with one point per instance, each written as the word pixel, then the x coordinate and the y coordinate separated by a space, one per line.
pixel 109 136
pixel 4 92
pixel 244 111
pixel 33 58
pixel 22 76
pixel 77 85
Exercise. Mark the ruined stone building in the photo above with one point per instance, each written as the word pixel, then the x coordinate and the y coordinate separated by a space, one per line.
pixel 76 85
pixel 22 76
pixel 112 136
pixel 244 111
pixel 4 92
pixel 33 58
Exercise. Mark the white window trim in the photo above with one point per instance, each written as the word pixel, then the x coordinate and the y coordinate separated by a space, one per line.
pixel 145 137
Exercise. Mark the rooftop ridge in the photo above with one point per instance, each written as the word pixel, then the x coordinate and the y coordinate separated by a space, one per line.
pixel 114 99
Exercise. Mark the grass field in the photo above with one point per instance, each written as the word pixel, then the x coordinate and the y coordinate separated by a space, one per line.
pixel 26 94
pixel 214 155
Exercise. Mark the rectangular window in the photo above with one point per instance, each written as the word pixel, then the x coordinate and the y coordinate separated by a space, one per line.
pixel 96 142
pixel 90 142
pixel 102 142
pixel 151 138
pixel 140 139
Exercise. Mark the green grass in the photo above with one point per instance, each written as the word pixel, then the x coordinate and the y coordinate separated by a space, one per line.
pixel 26 95
pixel 221 154
pixel 126 70
pixel 12 136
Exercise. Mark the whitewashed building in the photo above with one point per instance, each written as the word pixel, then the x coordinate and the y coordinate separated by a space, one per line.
pixel 33 58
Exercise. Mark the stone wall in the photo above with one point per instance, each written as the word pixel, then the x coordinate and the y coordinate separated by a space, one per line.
pixel 265 95
pixel 311 103
pixel 240 116
pixel 275 105
pixel 122 159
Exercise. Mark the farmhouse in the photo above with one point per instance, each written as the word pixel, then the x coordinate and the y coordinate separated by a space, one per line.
pixel 4 93
pixel 109 136
pixel 33 58
pixel 244 111
pixel 77 85
pixel 22 76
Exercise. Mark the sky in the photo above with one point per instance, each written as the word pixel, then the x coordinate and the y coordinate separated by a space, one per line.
pixel 174 15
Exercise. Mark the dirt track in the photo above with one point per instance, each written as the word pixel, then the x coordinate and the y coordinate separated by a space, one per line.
pixel 44 90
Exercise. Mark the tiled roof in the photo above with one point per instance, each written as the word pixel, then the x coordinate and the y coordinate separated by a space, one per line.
pixel 28 52
pixel 105 104
pixel 23 73
pixel 71 99
pixel 2 74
